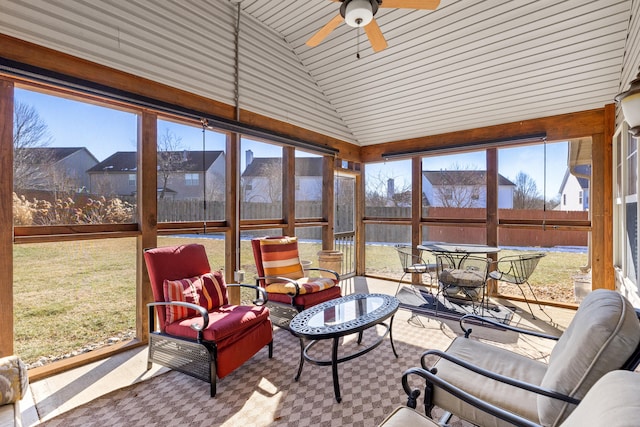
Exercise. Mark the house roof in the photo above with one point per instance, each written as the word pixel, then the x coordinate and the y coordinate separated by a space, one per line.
pixel 126 161
pixel 468 64
pixel 449 177
pixel 305 166
pixel 582 174
pixel 39 155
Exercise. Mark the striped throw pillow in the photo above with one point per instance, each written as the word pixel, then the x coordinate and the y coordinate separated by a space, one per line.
pixel 208 291
pixel 280 258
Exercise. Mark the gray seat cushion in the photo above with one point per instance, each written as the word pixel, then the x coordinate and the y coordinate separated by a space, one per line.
pixel 494 359
pixel 404 417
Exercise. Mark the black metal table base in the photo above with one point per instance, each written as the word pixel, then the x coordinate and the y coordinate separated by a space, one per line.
pixel 335 360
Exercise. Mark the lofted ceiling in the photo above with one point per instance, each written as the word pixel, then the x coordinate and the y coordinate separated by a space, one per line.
pixel 464 65
pixel 467 64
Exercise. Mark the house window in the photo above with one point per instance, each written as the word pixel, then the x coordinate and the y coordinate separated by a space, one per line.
pixel 564 200
pixel 626 234
pixel 191 179
pixel 132 180
pixel 580 197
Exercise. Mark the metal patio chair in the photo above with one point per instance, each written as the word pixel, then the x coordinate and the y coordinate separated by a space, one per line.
pixel 290 288
pixel 463 275
pixel 413 263
pixel 516 269
pixel 603 336
pixel 612 401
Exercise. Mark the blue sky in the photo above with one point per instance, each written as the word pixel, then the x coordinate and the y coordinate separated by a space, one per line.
pixel 529 159
pixel 106 130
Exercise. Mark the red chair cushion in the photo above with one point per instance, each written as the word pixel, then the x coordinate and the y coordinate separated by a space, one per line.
pixel 224 321
pixel 208 291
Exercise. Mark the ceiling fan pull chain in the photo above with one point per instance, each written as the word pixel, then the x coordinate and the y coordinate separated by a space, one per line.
pixel 358 43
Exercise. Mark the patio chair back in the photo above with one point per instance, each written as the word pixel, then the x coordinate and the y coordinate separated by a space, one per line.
pixel 518 268
pixel 411 259
pixel 174 263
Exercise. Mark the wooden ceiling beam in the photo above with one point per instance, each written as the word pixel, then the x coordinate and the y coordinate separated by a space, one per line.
pixel 557 128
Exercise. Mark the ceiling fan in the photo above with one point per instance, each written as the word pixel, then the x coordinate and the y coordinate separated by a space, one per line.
pixel 360 13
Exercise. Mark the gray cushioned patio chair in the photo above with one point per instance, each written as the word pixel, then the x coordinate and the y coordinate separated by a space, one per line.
pixel 603 336
pixel 611 402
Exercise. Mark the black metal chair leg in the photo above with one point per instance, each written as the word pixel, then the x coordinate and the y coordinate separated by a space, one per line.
pixel 537 302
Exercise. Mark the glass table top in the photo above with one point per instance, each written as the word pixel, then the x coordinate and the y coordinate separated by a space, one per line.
pixel 344 315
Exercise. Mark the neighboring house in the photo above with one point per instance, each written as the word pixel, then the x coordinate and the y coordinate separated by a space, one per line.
pixel 464 189
pixel 574 190
pixel 180 175
pixel 262 179
pixel 53 169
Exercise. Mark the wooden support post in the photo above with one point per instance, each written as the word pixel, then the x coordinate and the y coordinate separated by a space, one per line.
pixel 289 190
pixel 328 202
pixel 232 235
pixel 147 215
pixel 6 218
pixel 492 209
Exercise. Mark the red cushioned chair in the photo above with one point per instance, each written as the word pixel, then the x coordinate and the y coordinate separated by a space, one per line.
pixel 288 285
pixel 198 332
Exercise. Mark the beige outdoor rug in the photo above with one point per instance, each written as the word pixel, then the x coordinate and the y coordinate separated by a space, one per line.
pixel 263 392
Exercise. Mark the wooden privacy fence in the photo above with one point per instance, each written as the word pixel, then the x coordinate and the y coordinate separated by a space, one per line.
pixel 543 237
pixel 192 210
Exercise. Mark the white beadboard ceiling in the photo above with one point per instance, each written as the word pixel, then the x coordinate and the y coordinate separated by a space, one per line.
pixel 467 64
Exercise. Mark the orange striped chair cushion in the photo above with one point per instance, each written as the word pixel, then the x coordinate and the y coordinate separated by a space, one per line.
pixel 280 258
pixel 208 291
pixel 307 285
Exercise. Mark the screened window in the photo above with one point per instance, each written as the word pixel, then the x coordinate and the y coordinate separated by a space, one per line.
pixel 186 153
pixel 308 185
pixel 454 186
pixel 626 205
pixel 69 167
pixel 261 180
pixel 388 189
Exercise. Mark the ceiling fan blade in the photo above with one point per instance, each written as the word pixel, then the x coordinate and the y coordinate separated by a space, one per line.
pixel 375 36
pixel 317 38
pixel 411 4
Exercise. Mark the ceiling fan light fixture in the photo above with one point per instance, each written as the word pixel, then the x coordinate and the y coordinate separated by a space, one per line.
pixel 358 13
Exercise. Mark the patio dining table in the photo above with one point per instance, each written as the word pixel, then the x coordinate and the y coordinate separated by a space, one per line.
pixel 468 248
pixel 457 249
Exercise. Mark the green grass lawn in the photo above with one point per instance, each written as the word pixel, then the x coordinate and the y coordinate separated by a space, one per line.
pixel 70 296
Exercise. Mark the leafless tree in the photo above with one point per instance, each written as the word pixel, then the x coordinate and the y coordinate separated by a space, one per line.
pixel 526 195
pixel 382 190
pixel 171 158
pixel 29 132
pixel 459 187
pixel 273 172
